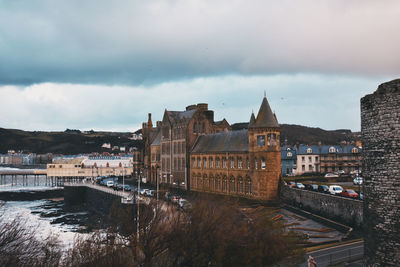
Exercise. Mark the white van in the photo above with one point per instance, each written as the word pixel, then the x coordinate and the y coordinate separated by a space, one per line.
pixel 335 189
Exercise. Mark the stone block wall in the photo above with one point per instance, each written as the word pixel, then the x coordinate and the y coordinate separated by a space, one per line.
pixel 343 210
pixel 380 127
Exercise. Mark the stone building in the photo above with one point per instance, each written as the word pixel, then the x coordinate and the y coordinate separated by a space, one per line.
pixel 167 146
pixel 244 163
pixel 380 127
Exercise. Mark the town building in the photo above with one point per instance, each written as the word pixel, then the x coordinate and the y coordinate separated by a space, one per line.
pixel 243 163
pixel 343 158
pixel 308 159
pixel 288 160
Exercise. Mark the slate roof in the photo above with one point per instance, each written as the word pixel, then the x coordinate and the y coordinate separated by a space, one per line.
pixel 153 134
pixel 265 117
pixel 302 150
pixel 230 141
pixel 175 116
pixel 285 150
pixel 347 149
pixel 157 140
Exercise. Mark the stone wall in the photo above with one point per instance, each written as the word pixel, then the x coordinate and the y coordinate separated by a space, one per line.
pixel 344 210
pixel 380 127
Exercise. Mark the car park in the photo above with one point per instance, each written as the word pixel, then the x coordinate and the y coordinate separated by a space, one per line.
pixel 349 193
pixel 358 180
pixel 300 186
pixel 323 188
pixel 331 175
pixel 335 189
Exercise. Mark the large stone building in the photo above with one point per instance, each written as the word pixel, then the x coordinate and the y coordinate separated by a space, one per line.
pixel 241 163
pixel 167 146
pixel 380 127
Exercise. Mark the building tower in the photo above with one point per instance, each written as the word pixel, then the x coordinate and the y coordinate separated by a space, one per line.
pixel 380 129
pixel 264 151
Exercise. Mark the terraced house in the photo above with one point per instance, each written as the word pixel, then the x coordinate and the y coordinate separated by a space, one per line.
pixel 241 163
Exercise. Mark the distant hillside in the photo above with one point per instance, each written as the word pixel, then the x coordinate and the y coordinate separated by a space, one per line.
pixel 68 142
pixel 308 135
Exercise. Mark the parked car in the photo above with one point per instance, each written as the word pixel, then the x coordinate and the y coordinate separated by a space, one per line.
pixel 184 204
pixel 323 188
pixel 292 184
pixel 331 175
pixel 349 193
pixel 110 183
pixel 335 189
pixel 150 193
pixel 300 186
pixel 143 191
pixel 358 181
pixel 127 187
pixel 340 172
pixel 175 199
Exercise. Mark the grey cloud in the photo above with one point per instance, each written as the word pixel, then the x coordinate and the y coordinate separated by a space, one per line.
pixel 147 42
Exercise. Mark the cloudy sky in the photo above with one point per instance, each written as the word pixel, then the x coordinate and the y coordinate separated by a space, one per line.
pixel 104 65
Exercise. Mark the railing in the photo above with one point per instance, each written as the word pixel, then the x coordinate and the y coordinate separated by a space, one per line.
pixel 100 188
pixel 341 256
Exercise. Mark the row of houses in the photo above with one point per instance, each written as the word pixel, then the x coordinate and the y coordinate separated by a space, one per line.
pixel 297 160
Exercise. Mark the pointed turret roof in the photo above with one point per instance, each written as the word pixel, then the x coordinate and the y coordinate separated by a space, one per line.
pixel 252 120
pixel 265 117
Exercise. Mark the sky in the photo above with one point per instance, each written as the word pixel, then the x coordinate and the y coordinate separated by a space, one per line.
pixel 105 65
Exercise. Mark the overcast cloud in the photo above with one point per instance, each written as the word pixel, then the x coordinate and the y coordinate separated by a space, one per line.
pixel 105 64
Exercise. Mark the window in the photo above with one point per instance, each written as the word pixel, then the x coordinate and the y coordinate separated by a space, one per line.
pixel 194 127
pixel 248 163
pixel 211 162
pixel 289 154
pixel 232 185
pixel 310 167
pixel 217 162
pixel 255 163
pixel 204 162
pixel 241 187
pixel 332 149
pixel 261 140
pixel 248 186
pixel 240 163
pixel 354 150
pixel 309 159
pixel 198 163
pixel 232 162
pixel 273 140
pixel 224 163
pixel 211 183
pixel 303 167
pixel 269 139
pixel 303 159
pixel 224 185
pixel 309 150
pixel 316 159
pixel 263 163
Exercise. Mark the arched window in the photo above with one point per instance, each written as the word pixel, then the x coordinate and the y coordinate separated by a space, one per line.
pixel 232 187
pixel 354 150
pixel 198 162
pixel 204 162
pixel 217 183
pixel 309 150
pixel 332 149
pixel 255 163
pixel 211 182
pixel 108 165
pixel 193 162
pixel 248 189
pixel 232 162
pixel 217 163
pixel 241 185
pixel 262 163
pixel 210 159
pixel 269 139
pixel 224 163
pixel 273 140
pixel 199 182
pixel 205 182
pixel 224 184
pixel 194 127
pixel 240 163
pixel 248 163
pixel 289 154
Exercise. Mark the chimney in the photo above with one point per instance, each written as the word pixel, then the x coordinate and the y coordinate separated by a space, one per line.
pixel 149 122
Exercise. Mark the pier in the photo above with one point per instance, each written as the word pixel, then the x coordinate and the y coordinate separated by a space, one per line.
pixel 13 176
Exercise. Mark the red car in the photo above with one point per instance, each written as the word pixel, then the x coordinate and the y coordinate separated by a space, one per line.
pixel 292 184
pixel 349 193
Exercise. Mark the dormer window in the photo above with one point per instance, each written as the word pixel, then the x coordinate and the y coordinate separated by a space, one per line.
pixel 289 154
pixel 332 149
pixel 288 149
pixel 354 150
pixel 309 150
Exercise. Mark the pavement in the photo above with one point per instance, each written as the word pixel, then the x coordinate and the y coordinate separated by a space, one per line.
pixel 342 255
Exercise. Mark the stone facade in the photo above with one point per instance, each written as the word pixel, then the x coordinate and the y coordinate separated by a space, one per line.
pixel 243 163
pixel 380 127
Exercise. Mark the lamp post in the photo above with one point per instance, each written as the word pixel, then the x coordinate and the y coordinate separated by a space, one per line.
pixel 138 212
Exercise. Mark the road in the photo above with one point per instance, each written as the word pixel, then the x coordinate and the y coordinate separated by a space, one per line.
pixel 337 254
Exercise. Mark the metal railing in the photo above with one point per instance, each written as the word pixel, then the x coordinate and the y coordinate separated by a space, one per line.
pixel 100 188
